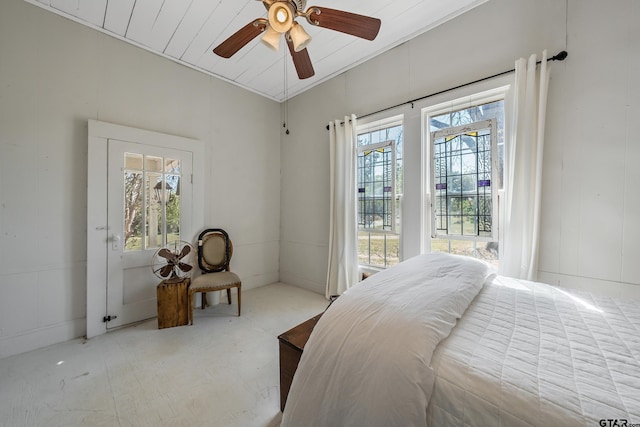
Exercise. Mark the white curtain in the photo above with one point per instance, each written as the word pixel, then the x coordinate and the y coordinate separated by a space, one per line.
pixel 343 240
pixel 523 180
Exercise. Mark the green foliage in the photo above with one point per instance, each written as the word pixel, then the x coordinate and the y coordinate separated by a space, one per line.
pixel 133 193
pixel 173 213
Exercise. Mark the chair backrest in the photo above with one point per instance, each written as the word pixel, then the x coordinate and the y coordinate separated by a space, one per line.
pixel 214 250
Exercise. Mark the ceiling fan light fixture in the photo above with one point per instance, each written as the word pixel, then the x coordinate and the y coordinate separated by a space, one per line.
pixel 271 38
pixel 299 37
pixel 281 15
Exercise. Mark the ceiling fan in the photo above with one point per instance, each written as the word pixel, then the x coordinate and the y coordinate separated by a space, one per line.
pixel 281 20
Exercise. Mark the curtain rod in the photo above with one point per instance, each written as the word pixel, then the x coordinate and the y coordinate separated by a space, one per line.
pixel 561 56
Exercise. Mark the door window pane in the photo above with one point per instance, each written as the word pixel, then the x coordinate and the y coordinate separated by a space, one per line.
pixel 133 195
pixel 172 207
pixel 152 201
pixel 172 166
pixel 133 161
pixel 153 164
pixel 154 229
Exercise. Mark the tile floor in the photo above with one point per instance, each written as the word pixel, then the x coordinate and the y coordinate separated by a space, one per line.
pixel 222 371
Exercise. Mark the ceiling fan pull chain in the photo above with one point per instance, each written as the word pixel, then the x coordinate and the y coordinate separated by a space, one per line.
pixel 286 90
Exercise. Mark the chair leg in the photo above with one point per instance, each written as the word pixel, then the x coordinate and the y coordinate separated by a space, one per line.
pixel 204 300
pixel 239 298
pixel 229 295
pixel 190 308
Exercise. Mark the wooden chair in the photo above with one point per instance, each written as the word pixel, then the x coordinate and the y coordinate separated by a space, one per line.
pixel 214 254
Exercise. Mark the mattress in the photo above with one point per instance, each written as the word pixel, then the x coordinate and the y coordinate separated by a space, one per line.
pixel 529 354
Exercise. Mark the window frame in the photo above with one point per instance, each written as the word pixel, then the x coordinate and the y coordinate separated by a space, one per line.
pixel 457 101
pixel 397 228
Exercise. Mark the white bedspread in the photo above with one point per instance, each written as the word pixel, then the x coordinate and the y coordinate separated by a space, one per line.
pixel 367 362
pixel 528 354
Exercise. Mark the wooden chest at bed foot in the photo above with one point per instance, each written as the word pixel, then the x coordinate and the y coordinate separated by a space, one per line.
pixel 172 302
pixel 291 347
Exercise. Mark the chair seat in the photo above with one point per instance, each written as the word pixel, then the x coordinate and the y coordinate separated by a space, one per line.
pixel 214 281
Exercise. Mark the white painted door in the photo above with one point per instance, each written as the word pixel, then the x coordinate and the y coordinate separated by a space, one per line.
pixel 149 198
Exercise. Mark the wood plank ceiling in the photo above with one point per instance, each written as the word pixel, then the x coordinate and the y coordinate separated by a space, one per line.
pixel 186 31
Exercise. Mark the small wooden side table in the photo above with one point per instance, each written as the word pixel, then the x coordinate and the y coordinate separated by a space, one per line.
pixel 291 346
pixel 172 302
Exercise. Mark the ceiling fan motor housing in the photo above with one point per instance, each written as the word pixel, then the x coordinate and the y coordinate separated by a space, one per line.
pixel 300 4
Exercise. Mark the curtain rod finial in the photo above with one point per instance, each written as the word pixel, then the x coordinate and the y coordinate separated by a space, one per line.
pixel 561 56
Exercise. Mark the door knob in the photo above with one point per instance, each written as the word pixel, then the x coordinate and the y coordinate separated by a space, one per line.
pixel 115 242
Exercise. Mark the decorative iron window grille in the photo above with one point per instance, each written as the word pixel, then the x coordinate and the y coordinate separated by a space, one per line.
pixel 376 186
pixel 464 177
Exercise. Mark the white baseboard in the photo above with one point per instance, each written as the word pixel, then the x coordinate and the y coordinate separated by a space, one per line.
pixel 32 340
pixel 596 286
pixel 258 280
pixel 302 282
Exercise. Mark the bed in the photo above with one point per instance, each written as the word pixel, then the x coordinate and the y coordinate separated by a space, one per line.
pixel 441 340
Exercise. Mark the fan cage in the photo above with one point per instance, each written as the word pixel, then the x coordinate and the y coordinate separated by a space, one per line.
pixel 158 262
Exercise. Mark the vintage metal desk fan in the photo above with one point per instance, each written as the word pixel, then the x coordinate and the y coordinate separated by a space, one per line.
pixel 174 261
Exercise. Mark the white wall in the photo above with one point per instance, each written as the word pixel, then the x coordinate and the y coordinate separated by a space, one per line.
pixel 591 206
pixel 54 76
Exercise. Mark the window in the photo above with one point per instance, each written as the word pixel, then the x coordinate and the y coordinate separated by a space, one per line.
pixel 379 180
pixel 152 201
pixel 463 178
pixel 466 163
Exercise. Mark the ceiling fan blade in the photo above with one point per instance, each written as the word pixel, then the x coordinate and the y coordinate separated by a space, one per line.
pixel 362 26
pixel 301 61
pixel 240 38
